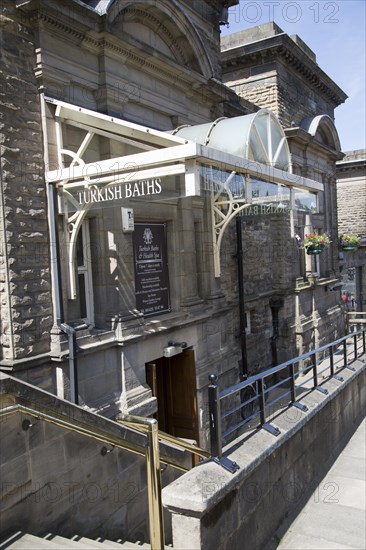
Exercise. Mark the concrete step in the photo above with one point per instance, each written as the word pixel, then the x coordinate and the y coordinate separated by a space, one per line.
pixel 90 543
pixel 62 542
pixel 79 543
pixel 114 544
pixel 104 543
pixel 127 545
pixel 25 541
pixel 133 545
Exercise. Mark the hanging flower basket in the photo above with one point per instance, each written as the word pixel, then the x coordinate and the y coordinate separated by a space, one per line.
pixel 314 249
pixel 315 243
pixel 349 242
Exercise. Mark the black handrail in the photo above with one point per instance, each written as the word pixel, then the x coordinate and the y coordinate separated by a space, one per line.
pixel 216 397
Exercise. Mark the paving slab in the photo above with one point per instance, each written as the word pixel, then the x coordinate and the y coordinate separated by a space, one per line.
pixel 335 515
pixel 299 542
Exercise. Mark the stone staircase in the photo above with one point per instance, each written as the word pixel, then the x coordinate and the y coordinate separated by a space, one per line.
pixel 25 541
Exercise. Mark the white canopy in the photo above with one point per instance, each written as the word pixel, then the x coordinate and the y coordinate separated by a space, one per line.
pixel 251 147
pixel 257 137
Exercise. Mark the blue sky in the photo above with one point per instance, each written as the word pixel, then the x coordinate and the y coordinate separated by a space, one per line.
pixel 335 31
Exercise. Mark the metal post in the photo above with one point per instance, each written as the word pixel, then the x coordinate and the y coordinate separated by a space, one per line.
pixel 293 390
pixel 292 382
pixel 345 358
pixel 214 416
pixel 262 404
pixel 331 358
pixel 156 524
pixel 315 372
pixel 344 353
pixel 364 340
pixel 73 371
pixel 73 368
pixel 355 346
pixel 261 401
pixel 243 336
pixel 332 373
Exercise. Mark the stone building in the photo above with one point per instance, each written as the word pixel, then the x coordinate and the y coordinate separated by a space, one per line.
pixel 351 200
pixel 119 273
pixel 271 69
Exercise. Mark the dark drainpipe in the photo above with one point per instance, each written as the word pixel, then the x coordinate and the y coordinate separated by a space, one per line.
pixel 243 336
pixel 275 304
pixel 70 330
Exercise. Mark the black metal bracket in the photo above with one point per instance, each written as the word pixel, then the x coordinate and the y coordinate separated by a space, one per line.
pixel 322 390
pixel 27 424
pixel 104 450
pixel 350 368
pixel 300 406
pixel 226 463
pixel 339 378
pixel 271 429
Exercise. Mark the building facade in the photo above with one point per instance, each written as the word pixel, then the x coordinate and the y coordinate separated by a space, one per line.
pixel 128 153
pixel 269 68
pixel 351 200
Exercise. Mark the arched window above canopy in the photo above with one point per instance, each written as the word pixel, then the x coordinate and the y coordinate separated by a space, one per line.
pixel 323 130
pixel 163 28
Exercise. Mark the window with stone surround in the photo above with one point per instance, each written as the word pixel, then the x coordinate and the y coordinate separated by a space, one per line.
pixel 85 297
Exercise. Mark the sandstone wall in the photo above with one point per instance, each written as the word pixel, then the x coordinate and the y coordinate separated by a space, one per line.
pixel 26 312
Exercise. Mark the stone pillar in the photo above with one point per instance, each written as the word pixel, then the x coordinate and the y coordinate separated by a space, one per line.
pixel 187 255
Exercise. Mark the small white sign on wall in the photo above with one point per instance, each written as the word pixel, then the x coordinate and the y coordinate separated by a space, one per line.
pixel 127 220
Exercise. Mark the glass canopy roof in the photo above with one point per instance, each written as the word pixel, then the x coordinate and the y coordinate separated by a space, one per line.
pixel 233 161
pixel 257 137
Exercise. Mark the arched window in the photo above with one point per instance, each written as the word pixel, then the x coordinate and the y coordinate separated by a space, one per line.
pixel 323 130
pixel 163 28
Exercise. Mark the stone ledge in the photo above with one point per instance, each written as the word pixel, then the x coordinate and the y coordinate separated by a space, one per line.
pixel 188 495
pixel 24 363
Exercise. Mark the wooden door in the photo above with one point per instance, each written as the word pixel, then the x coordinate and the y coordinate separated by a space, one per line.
pixel 181 396
pixel 173 382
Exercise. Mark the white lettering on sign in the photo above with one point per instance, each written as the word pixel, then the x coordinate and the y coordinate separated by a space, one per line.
pixel 263 209
pixel 120 191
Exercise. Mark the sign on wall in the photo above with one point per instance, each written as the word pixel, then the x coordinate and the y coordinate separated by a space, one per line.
pixel 151 268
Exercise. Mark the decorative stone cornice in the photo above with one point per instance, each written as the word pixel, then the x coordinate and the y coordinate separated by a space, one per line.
pixel 87 30
pixel 46 18
pixel 345 165
pixel 101 43
pixel 282 48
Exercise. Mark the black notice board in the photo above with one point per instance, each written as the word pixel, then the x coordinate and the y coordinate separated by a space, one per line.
pixel 151 268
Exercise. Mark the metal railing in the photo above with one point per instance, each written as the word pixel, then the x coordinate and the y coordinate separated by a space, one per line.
pixel 355 320
pixel 12 404
pixel 257 389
